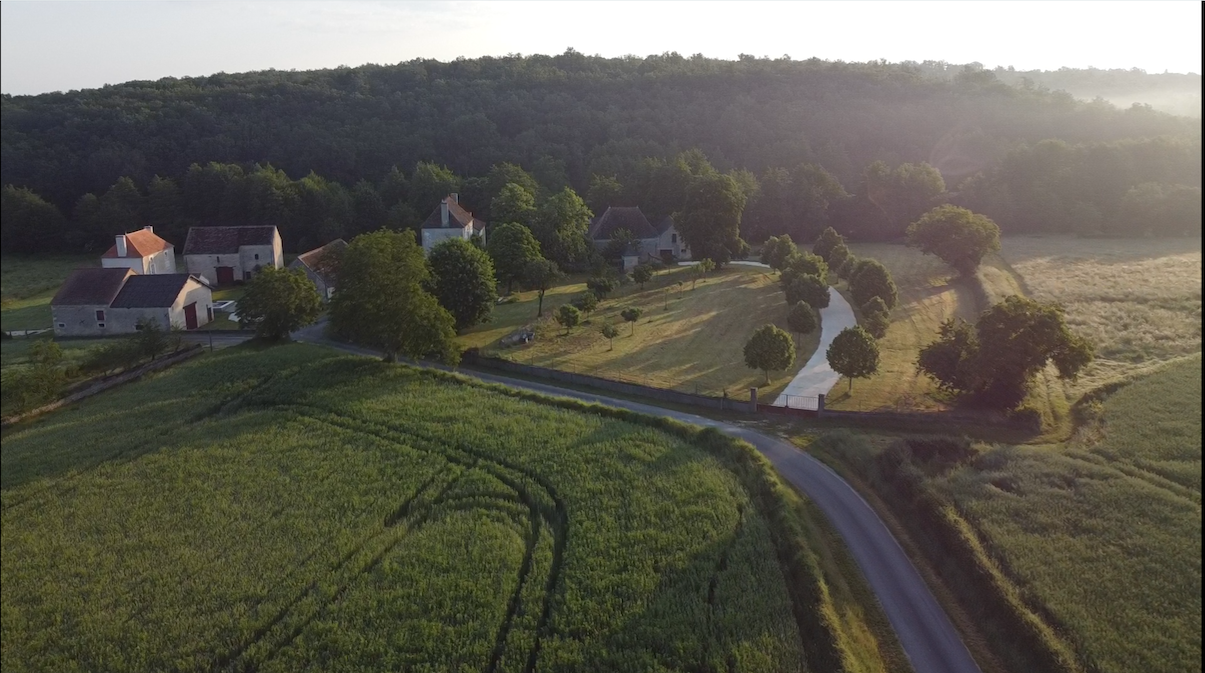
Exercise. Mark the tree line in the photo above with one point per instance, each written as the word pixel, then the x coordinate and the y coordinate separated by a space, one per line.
pixel 802 139
pixel 1127 188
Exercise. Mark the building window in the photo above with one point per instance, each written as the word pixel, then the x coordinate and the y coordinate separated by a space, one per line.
pixel 100 324
pixel 246 275
pixel 138 326
pixel 100 315
pixel 257 255
pixel 62 325
pixel 673 238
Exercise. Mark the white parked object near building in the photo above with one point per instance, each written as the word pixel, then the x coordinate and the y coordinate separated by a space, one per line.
pixel 142 252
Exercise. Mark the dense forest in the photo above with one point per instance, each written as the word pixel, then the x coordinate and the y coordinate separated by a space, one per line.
pixel 864 147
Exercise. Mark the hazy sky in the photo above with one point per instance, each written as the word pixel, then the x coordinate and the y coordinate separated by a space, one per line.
pixel 49 46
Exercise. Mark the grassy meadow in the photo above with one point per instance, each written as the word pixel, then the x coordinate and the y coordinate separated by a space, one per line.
pixel 1137 300
pixel 27 284
pixel 1093 545
pixel 687 339
pixel 296 509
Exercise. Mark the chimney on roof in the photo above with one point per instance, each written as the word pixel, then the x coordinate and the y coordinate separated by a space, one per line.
pixel 121 245
pixel 456 197
pixel 149 228
pixel 443 213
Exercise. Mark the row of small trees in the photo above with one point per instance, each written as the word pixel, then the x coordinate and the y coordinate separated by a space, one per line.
pixel 49 370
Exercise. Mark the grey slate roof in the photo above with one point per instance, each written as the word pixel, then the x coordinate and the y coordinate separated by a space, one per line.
pixel 158 290
pixel 226 240
pixel 665 225
pixel 91 287
pixel 603 227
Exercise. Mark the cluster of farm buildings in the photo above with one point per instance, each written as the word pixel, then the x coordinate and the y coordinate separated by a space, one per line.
pixel 138 282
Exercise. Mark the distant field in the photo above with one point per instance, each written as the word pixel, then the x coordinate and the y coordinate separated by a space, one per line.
pixel 1125 513
pixel 299 510
pixel 1099 539
pixel 926 298
pixel 696 345
pixel 27 284
pixel 1137 300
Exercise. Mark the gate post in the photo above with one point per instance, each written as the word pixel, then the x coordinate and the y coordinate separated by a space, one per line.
pixel 753 400
pixel 820 404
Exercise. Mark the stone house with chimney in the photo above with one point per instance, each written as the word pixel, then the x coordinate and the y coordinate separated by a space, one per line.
pixel 142 252
pixel 449 220
pixel 226 255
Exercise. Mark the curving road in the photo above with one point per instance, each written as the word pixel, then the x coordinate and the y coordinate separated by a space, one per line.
pixel 925 632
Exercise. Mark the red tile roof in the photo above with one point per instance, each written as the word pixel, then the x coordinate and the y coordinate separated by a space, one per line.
pixel 141 243
pixel 458 217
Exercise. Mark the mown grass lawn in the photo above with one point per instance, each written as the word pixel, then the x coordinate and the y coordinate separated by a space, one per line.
pixel 687 339
pixel 28 283
pixel 928 295
pixel 295 509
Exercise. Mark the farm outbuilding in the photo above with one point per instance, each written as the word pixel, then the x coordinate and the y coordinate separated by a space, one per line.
pixel 225 255
pixel 104 302
pixel 320 265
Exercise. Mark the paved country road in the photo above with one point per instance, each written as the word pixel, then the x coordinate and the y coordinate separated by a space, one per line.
pixel 925 632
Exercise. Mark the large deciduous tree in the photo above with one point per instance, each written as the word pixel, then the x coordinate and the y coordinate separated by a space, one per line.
pixel 802 318
pixel 769 349
pixel 383 302
pixel 711 217
pixel 853 354
pixel 560 225
pixel 462 279
pixel 806 288
pixel 777 250
pixel 512 247
pixel 1013 340
pixel 828 241
pixel 957 236
pixel 513 204
pixel 871 279
pixel 279 301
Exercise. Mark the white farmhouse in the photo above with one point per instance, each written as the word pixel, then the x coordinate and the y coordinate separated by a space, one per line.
pixel 142 252
pixel 225 255
pixel 449 220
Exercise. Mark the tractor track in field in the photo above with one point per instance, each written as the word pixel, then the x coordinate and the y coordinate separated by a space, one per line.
pixel 925 632
pixel 548 510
